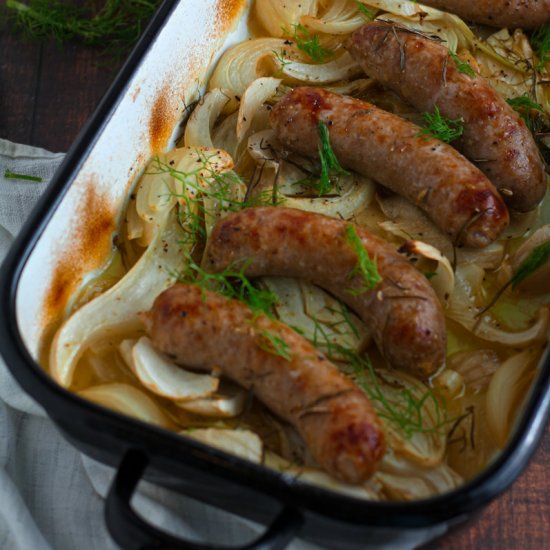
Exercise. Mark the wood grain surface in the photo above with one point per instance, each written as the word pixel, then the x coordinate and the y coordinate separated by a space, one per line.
pixel 46 95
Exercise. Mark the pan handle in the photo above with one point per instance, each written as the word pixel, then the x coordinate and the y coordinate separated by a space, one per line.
pixel 131 531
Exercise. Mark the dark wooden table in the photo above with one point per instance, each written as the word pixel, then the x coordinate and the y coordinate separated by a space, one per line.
pixel 46 95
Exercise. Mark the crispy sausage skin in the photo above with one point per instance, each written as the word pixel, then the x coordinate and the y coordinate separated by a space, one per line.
pixel 205 330
pixel 403 311
pixel 431 174
pixel 525 14
pixel 422 72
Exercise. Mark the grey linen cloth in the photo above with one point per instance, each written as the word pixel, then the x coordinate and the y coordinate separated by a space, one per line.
pixel 51 496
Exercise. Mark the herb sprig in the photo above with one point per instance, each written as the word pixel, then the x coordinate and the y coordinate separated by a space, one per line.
pixel 366 267
pixel 282 61
pixel 234 284
pixel 274 344
pixel 193 192
pixel 309 43
pixel 540 40
pixel 231 283
pixel 439 127
pixel 114 27
pixel 367 13
pixel 8 174
pixel 463 66
pixel 525 106
pixel 405 409
pixel 539 256
pixel 330 167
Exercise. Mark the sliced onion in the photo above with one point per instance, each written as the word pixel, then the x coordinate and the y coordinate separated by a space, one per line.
pixel 355 194
pixel 463 310
pixel 199 126
pixel 369 490
pixel 231 190
pixel 406 221
pixel 263 146
pixel 176 177
pixel 443 280
pixel 470 446
pixel 255 95
pixel 507 390
pixel 316 314
pixel 411 223
pixel 163 377
pixel 118 308
pixel 128 400
pixel 448 27
pixel 510 70
pixel 475 367
pixel 403 480
pixel 155 195
pixel 228 404
pixel 240 65
pixel 341 17
pixel 423 446
pixel 450 382
pixel 539 281
pixel 341 68
pixel 520 223
pixel 489 257
pixel 134 223
pixel 356 87
pixel 278 17
pixel 242 443
pixel 224 136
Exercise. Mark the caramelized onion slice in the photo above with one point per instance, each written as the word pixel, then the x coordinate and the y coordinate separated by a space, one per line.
pixel 507 390
pixel 463 309
pixel 276 57
pixel 240 65
pixel 442 278
pixel 253 98
pixel 413 418
pixel 117 309
pixel 128 400
pixel 476 367
pixel 276 17
pixel 201 122
pixel 403 480
pixel 341 68
pixel 406 221
pixel 228 402
pixel 317 315
pixel 177 177
pixel 242 443
pixel 341 17
pixel 279 179
pixel 161 376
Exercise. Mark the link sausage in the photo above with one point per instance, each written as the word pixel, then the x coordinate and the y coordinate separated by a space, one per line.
pixel 431 174
pixel 205 330
pixel 403 312
pixel 525 14
pixel 422 72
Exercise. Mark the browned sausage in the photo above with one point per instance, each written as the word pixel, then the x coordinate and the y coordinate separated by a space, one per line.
pixel 428 172
pixel 205 330
pixel 525 14
pixel 422 72
pixel 403 311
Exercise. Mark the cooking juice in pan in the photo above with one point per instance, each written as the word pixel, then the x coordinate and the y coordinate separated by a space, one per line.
pixel 441 426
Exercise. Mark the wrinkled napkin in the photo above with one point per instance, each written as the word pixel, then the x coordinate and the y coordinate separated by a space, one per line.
pixel 51 496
